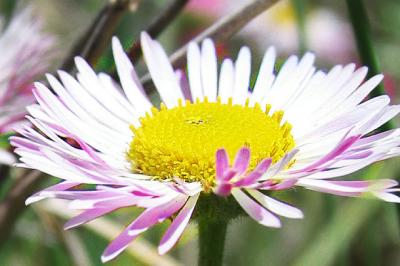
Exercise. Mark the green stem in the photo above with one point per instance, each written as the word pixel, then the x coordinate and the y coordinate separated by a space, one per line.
pixel 300 8
pixel 7 8
pixel 211 241
pixel 361 28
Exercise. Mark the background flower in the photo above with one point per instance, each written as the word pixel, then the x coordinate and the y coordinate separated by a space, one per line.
pixel 278 27
pixel 25 54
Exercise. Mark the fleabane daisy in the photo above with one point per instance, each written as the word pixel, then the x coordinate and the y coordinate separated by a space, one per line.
pixel 24 54
pixel 297 128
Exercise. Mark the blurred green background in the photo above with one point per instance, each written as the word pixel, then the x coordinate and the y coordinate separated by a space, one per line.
pixel 335 231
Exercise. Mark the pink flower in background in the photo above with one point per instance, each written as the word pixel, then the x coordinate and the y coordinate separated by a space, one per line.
pixel 330 36
pixel 326 33
pixel 390 86
pixel 24 55
pixel 300 127
pixel 206 8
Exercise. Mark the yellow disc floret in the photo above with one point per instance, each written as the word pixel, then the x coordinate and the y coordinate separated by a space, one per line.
pixel 182 141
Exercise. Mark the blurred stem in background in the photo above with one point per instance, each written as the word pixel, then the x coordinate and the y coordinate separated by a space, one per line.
pixel 157 26
pixel 4 173
pixel 98 35
pixel 361 28
pixel 220 31
pixel 226 26
pixel 300 9
pixel 14 202
pixel 7 8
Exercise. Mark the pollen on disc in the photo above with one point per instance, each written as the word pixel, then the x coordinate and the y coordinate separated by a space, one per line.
pixel 182 141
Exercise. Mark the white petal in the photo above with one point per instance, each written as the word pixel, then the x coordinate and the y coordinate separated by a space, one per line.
pixel 132 87
pixel 209 70
pixel 6 157
pixel 389 197
pixel 161 71
pixel 226 80
pixel 194 71
pixel 265 77
pixel 242 76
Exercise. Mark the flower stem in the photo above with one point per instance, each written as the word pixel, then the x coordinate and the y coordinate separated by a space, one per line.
pixel 96 38
pixel 361 28
pixel 157 26
pixel 211 241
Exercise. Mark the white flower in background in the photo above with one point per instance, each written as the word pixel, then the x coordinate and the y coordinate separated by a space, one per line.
pixel 300 127
pixel 326 34
pixel 24 54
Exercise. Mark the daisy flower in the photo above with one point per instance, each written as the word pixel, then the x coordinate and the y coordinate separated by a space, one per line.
pixel 24 55
pixel 300 127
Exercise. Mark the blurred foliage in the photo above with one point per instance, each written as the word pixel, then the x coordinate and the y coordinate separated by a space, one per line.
pixel 335 231
pixel 4 140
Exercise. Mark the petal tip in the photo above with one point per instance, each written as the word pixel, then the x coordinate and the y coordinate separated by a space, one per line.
pixel 144 36
pixel 162 249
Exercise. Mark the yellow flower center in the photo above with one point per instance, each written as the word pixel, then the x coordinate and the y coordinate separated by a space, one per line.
pixel 182 141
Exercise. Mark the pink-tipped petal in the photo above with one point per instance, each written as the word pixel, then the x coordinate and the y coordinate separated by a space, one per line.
pixel 332 188
pixel 156 214
pixel 177 227
pixel 229 174
pixel 255 175
pixel 221 163
pixel 285 184
pixel 242 160
pixel 255 211
pixel 223 189
pixel 118 245
pixel 338 150
pixel 85 217
pixel 276 206
pixel 47 192
pixel 145 220
pixel 350 188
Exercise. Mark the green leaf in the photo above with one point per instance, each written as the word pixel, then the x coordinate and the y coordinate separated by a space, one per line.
pixel 4 143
